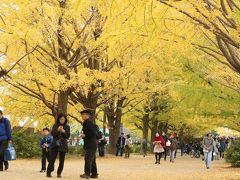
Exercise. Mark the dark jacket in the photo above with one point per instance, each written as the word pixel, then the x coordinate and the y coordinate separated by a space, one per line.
pixel 46 140
pixel 5 130
pixel 121 142
pixel 60 140
pixel 90 140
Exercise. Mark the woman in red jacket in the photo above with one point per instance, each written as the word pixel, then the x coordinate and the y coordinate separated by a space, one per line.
pixel 159 144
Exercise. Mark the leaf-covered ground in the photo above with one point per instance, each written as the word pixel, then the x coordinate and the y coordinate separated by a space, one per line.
pixel 135 168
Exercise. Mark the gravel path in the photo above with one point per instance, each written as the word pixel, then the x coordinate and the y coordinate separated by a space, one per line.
pixel 135 168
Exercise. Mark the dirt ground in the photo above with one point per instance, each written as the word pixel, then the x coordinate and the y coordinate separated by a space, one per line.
pixel 135 168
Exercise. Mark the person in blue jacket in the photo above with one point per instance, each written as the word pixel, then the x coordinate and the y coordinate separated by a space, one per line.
pixel 5 139
pixel 45 145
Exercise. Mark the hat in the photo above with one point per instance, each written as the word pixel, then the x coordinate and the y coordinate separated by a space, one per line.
pixel 87 111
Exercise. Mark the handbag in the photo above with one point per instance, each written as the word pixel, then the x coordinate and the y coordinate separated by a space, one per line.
pixel 10 153
pixel 205 150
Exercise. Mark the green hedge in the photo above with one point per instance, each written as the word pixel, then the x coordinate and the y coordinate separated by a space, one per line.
pixel 26 146
pixel 76 150
pixel 232 154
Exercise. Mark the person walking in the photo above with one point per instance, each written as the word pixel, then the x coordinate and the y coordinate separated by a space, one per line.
pixel 215 149
pixel 128 146
pixel 101 146
pixel 120 145
pixel 159 144
pixel 61 134
pixel 173 147
pixel 45 145
pixel 5 139
pixel 222 147
pixel 182 147
pixel 144 147
pixel 208 146
pixel 166 148
pixel 89 135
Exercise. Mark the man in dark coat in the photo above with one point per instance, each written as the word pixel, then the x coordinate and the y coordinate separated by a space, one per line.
pixel 5 139
pixel 120 145
pixel 89 135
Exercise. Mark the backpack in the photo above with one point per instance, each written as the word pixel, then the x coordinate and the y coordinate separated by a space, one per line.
pixel 98 133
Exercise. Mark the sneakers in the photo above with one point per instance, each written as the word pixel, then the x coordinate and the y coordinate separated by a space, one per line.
pixel 85 176
pixel 42 171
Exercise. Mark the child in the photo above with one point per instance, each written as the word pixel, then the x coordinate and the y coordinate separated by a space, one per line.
pixel 45 144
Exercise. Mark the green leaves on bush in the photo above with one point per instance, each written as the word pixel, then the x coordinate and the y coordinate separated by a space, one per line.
pixel 26 146
pixel 75 150
pixel 233 154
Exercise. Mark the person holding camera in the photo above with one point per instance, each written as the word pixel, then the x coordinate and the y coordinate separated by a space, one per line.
pixel 61 134
pixel 45 145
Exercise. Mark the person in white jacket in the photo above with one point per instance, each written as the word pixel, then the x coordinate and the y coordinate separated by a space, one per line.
pixel 128 145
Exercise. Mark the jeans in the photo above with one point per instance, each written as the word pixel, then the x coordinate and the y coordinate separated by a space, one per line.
pixel 101 150
pixel 121 150
pixel 90 167
pixel 208 158
pixel 172 155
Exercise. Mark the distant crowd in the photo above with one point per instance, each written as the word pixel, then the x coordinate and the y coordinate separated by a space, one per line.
pixel 55 142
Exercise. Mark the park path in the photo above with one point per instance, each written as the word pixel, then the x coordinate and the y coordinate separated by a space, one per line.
pixel 135 168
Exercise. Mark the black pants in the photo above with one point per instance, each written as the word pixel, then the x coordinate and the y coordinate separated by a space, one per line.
pixel 121 150
pixel 101 150
pixel 158 157
pixel 3 146
pixel 90 167
pixel 166 151
pixel 52 157
pixel 45 158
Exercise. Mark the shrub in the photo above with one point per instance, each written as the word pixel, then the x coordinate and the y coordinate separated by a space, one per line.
pixel 136 149
pixel 26 146
pixel 232 154
pixel 75 150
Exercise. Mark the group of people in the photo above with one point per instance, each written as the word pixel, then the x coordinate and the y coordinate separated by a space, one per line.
pixel 55 143
pixel 124 144
pixel 164 145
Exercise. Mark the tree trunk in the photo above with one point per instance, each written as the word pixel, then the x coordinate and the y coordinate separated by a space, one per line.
pixel 154 130
pixel 62 102
pixel 145 126
pixel 114 117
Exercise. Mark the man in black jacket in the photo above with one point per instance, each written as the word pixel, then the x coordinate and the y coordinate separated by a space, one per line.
pixel 120 145
pixel 90 145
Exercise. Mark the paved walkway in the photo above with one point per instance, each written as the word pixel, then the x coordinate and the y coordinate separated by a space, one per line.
pixel 135 168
